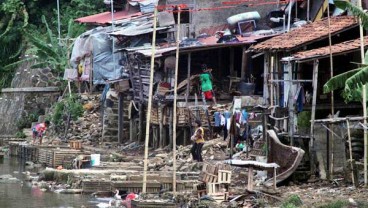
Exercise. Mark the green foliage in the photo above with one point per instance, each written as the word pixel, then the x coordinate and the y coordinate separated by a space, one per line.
pixel 63 108
pixel 292 201
pixel 353 80
pixel 26 121
pixel 335 204
pixel 353 9
pixel 19 18
pixel 20 134
pixel 304 119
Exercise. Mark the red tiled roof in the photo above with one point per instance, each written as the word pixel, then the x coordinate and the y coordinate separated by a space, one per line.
pixel 306 34
pixel 339 48
pixel 105 17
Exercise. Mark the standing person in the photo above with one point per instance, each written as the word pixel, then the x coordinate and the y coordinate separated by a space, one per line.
pixel 198 139
pixel 38 130
pixel 206 83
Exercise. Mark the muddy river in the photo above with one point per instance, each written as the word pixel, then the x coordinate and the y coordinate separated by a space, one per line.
pixel 19 194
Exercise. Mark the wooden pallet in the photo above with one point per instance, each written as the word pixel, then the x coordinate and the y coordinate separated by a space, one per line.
pixel 209 173
pixel 90 186
pixel 136 186
pixel 153 204
pixel 224 176
pixel 75 144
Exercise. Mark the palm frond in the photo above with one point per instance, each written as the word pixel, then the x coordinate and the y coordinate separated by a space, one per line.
pixel 353 9
pixel 50 35
pixel 41 45
pixel 338 81
pixel 10 66
pixel 360 78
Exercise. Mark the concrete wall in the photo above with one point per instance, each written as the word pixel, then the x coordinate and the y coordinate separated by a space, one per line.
pixel 206 19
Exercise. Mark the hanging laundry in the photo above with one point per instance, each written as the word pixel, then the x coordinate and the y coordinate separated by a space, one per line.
pixel 223 120
pixel 244 117
pixel 217 116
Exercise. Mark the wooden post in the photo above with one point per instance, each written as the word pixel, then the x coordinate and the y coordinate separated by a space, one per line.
pixel 131 130
pixel 271 81
pixel 365 133
pixel 140 128
pixel 170 127
pixel 231 61
pixel 185 136
pixel 120 117
pixel 188 78
pixel 328 155
pixel 332 92
pixel 161 125
pixel 291 104
pixel 250 178
pixel 175 100
pixel 350 153
pixel 265 80
pixel 91 75
pixel 144 188
pixel 364 99
pixel 244 63
pixel 313 115
pixel 274 178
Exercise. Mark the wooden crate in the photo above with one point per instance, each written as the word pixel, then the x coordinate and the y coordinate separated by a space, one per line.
pixel 224 176
pixel 152 204
pixel 13 148
pixel 90 186
pixel 75 144
pixel 183 117
pixel 209 173
pixel 185 185
pixel 60 156
pixel 136 186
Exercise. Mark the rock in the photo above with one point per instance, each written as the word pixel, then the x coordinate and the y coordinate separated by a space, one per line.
pixel 29 163
pixel 163 156
pixel 56 142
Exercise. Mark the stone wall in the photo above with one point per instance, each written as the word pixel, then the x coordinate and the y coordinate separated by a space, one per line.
pixel 15 106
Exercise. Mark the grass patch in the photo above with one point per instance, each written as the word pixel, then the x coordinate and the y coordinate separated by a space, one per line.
pixel 335 204
pixel 292 201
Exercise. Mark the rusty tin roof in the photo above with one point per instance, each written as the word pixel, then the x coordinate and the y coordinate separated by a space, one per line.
pixel 337 49
pixel 306 34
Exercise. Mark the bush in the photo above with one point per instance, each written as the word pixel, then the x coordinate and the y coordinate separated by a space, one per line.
pixel 335 204
pixel 292 201
pixel 20 134
pixel 26 121
pixel 63 108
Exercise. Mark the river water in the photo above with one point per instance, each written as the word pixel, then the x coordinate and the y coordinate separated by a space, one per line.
pixel 24 195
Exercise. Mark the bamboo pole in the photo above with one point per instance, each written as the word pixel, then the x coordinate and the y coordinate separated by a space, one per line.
pixel 271 79
pixel 350 153
pixel 149 107
pixel 364 97
pixel 332 93
pixel 175 97
pixel 313 116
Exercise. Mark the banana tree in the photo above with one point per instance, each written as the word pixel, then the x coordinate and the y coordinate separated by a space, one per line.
pixel 352 81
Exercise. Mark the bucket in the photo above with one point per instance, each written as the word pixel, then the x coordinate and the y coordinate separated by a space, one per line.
pixel 246 88
pixel 95 160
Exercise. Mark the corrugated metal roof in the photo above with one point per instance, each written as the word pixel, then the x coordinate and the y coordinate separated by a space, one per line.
pixel 340 48
pixel 105 17
pixel 208 44
pixel 306 34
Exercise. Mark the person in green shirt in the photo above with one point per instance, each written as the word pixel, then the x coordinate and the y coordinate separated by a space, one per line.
pixel 206 83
